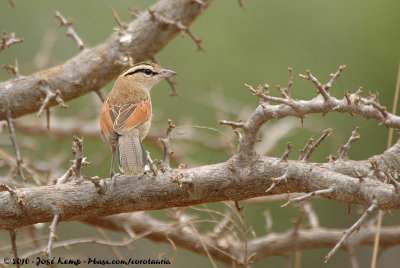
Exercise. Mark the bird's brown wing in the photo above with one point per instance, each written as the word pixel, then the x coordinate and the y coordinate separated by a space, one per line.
pixel 117 119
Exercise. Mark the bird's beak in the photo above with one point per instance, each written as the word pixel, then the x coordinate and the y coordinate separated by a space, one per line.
pixel 168 73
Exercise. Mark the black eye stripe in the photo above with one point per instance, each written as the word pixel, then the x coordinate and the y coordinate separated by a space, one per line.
pixel 143 70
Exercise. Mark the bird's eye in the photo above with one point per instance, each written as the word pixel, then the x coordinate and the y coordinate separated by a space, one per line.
pixel 148 72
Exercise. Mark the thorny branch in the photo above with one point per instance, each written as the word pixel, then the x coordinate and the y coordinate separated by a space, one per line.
pixel 70 30
pixel 98 65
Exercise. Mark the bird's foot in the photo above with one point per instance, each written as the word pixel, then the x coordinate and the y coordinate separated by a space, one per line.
pixel 114 176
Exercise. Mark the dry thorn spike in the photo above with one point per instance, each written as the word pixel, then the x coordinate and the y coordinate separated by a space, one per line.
pixel 283 92
pixel 356 226
pixel 334 77
pixel 70 30
pixel 306 149
pixel 287 152
pixel 311 215
pixel 152 164
pixel 327 132
pixel 276 181
pixel 13 237
pixel 234 125
pixel 315 81
pixel 166 142
pixel 9 189
pixel 50 95
pixel 120 24
pixel 347 96
pixel 135 11
pixel 14 69
pixel 309 195
pixel 52 235
pixel 290 83
pixel 14 142
pixel 177 24
pixel 345 148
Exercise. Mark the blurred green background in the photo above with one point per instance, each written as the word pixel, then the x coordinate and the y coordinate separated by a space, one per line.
pixel 254 45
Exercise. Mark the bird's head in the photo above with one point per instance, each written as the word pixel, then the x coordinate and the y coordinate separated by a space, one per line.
pixel 146 75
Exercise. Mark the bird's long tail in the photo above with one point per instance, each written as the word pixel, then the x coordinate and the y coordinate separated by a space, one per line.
pixel 132 158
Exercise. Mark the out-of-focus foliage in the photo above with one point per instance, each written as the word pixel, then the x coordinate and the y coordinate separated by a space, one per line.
pixel 253 45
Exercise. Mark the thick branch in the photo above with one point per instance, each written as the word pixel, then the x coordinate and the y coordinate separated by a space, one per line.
pixel 212 183
pixel 92 69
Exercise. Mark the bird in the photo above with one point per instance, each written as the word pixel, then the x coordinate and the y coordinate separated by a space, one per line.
pixel 126 115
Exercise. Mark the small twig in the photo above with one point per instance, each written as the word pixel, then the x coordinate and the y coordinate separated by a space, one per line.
pixel 356 226
pixel 11 3
pixel 9 189
pixel 14 69
pixel 308 196
pixel 268 221
pixel 306 149
pixel 98 183
pixel 8 40
pixel 320 87
pixel 244 234
pixel 77 151
pixel 14 142
pixel 70 30
pixel 290 83
pixel 234 125
pixel 223 224
pixel 171 81
pixel 120 24
pixel 50 95
pixel 352 256
pixel 152 164
pixel 311 215
pixel 52 235
pixel 287 152
pixel 345 148
pixel 166 142
pixel 276 181
pixel 327 132
pixel 48 118
pixel 348 210
pixel 283 92
pixel 64 177
pixel 135 12
pixel 334 77
pixel 177 24
pixel 14 246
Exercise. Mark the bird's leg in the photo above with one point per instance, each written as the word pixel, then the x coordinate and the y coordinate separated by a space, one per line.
pixel 113 148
